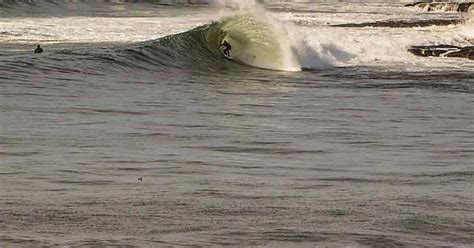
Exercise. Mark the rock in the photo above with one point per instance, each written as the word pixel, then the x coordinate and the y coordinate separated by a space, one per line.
pixel 405 23
pixel 443 51
pixel 466 52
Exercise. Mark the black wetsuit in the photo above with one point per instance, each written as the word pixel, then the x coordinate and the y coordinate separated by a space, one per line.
pixel 38 49
pixel 227 48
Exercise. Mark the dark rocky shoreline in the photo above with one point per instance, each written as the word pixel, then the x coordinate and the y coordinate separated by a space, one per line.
pixel 466 52
pixel 444 6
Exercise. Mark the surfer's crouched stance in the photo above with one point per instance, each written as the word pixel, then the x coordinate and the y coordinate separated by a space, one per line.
pixel 38 49
pixel 227 48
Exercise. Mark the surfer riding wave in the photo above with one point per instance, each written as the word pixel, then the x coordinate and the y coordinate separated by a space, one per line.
pixel 227 48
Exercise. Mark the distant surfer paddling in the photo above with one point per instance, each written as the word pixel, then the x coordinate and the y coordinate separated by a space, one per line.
pixel 38 49
pixel 227 47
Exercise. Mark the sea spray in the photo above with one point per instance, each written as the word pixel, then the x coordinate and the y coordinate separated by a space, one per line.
pixel 238 4
pixel 312 52
pixel 467 30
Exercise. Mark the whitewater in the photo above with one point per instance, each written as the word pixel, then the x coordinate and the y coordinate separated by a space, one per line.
pixel 333 123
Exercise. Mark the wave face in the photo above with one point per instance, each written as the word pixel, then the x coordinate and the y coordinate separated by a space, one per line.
pixel 254 43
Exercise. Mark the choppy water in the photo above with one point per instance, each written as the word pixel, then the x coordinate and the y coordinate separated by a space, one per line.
pixel 370 146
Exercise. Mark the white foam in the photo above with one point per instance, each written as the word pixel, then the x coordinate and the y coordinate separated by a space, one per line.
pixel 321 46
pixel 237 4
pixel 51 30
pixel 467 30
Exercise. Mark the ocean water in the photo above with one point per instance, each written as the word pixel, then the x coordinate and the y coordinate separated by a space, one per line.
pixel 132 130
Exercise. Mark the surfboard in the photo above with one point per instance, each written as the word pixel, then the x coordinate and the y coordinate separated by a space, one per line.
pixel 227 57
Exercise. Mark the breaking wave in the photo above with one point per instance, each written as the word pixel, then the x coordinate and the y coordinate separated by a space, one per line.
pixel 255 43
pixel 262 43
